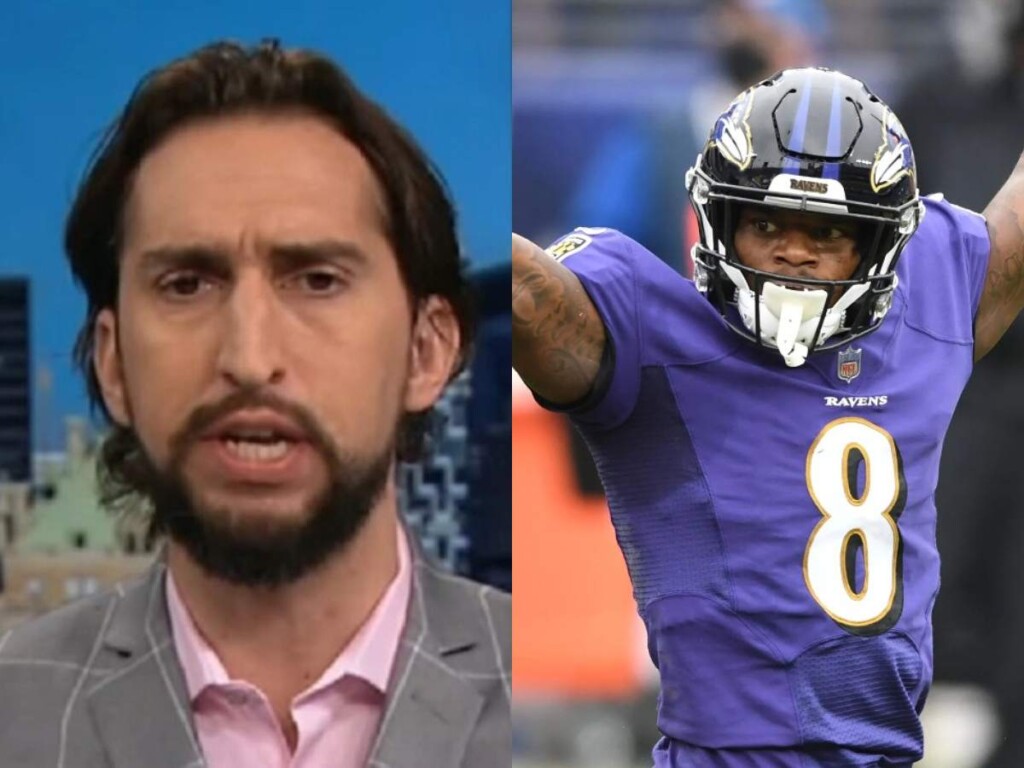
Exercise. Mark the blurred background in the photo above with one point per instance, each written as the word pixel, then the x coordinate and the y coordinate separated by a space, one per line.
pixel 612 102
pixel 66 69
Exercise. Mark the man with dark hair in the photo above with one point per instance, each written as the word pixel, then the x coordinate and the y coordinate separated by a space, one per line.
pixel 275 303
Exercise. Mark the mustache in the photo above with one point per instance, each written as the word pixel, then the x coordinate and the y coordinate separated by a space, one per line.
pixel 261 552
pixel 205 416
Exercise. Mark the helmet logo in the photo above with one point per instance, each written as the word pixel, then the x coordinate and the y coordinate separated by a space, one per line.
pixel 807 185
pixel 568 245
pixel 894 159
pixel 849 364
pixel 732 132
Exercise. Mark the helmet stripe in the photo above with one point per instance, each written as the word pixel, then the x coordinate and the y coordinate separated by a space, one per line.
pixel 835 124
pixel 796 138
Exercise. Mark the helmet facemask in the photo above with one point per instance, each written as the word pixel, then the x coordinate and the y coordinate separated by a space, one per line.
pixel 796 316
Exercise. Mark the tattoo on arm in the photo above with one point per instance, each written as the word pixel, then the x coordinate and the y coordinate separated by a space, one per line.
pixel 557 335
pixel 1003 295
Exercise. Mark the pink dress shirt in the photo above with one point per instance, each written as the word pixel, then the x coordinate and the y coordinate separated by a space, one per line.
pixel 337 716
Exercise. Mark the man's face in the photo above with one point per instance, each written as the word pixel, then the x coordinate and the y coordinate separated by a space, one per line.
pixel 263 348
pixel 797 244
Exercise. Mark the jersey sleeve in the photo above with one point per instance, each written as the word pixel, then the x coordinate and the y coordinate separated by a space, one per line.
pixel 947 260
pixel 605 262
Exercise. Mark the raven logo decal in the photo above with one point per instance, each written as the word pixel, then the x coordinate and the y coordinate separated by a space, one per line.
pixel 732 132
pixel 894 158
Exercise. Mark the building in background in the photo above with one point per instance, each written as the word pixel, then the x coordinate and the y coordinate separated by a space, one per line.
pixel 15 388
pixel 56 544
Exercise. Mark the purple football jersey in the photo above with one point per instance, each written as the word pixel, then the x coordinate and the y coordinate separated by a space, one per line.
pixel 778 523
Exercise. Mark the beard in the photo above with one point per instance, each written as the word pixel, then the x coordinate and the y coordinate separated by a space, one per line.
pixel 262 550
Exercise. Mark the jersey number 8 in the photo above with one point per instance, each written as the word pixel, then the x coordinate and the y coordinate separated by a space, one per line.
pixel 856 519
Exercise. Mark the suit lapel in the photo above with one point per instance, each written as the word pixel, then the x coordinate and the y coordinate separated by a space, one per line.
pixel 141 709
pixel 430 711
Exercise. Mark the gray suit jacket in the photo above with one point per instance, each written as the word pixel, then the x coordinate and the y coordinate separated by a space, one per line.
pixel 97 684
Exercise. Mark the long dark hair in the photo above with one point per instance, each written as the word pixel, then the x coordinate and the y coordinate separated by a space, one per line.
pixel 222 79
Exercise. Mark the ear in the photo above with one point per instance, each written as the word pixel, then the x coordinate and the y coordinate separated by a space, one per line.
pixel 106 361
pixel 433 353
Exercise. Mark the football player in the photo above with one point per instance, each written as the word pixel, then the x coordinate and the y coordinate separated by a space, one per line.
pixel 768 434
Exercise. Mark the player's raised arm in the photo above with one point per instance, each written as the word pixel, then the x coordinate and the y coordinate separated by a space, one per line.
pixel 557 335
pixel 1003 297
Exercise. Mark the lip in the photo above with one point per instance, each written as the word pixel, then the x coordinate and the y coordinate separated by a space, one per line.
pixel 256 420
pixel 290 469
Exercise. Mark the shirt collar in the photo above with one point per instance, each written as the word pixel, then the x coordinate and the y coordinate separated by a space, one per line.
pixel 369 655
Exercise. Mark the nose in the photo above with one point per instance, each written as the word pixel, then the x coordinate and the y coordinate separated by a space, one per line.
pixel 795 247
pixel 250 351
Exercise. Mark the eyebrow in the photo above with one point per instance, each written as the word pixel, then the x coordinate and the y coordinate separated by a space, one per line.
pixel 199 258
pixel 284 257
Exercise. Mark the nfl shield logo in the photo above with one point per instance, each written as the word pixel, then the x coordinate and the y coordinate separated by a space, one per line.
pixel 849 364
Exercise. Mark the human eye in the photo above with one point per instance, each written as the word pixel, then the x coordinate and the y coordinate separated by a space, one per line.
pixel 319 282
pixel 832 233
pixel 182 286
pixel 764 225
